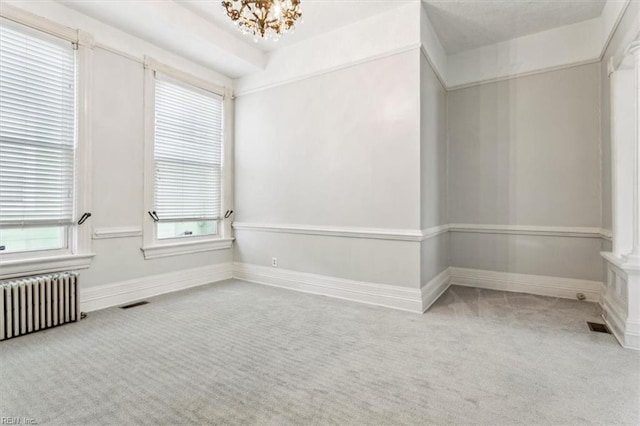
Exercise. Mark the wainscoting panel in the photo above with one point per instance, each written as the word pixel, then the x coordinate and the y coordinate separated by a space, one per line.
pixel 101 297
pixel 402 298
pixel 432 290
pixel 566 288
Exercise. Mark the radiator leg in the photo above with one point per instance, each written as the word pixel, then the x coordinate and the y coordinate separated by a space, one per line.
pixel 2 315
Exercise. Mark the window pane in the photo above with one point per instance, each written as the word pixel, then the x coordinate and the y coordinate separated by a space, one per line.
pixel 186 229
pixel 37 130
pixel 187 154
pixel 31 239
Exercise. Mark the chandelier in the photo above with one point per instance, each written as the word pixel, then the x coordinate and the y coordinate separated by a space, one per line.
pixel 263 18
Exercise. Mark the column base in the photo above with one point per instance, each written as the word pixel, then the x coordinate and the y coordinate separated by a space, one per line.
pixel 620 300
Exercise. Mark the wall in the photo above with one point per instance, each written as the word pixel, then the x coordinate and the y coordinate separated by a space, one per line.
pixel 619 42
pixel 118 144
pixel 394 31
pixel 119 273
pixel 620 299
pixel 526 151
pixel 339 150
pixel 433 171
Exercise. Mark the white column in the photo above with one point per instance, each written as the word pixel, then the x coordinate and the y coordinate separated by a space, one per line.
pixel 615 241
pixel 634 255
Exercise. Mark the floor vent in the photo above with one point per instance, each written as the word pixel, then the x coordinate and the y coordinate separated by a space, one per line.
pixel 134 305
pixel 598 328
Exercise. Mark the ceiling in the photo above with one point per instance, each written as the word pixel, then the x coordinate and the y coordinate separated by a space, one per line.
pixel 199 29
pixel 467 24
pixel 319 17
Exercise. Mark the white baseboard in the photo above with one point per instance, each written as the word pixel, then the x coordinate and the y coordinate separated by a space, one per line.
pixel 627 333
pixel 94 298
pixel 432 290
pixel 406 299
pixel 566 288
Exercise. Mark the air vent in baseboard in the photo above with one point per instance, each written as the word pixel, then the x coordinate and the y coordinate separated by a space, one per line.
pixel 598 328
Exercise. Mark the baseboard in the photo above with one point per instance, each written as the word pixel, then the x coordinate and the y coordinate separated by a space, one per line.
pixel 566 288
pixel 402 298
pixel 626 332
pixel 432 290
pixel 95 298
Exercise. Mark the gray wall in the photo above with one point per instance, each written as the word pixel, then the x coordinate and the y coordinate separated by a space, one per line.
pixel 433 170
pixel 117 142
pixel 527 152
pixel 341 149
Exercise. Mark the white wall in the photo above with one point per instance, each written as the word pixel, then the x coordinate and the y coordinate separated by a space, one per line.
pixel 341 149
pixel 117 126
pixel 377 36
pixel 624 34
pixel 620 299
pixel 527 152
pixel 111 37
pixel 364 139
pixel 116 120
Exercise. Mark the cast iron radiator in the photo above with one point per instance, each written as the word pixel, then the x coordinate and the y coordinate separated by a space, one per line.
pixel 35 303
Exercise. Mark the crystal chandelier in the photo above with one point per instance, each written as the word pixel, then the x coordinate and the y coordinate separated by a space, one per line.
pixel 263 18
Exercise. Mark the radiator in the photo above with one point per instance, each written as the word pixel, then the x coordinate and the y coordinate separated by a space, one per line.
pixel 36 303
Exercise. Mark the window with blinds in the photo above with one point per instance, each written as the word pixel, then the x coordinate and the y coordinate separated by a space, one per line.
pixel 37 139
pixel 187 159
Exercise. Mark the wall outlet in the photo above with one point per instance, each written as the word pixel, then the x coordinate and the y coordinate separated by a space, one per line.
pixel 274 262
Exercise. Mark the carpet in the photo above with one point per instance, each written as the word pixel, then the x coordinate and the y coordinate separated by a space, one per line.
pixel 236 353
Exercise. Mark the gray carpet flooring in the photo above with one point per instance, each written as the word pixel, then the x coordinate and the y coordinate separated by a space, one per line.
pixel 241 353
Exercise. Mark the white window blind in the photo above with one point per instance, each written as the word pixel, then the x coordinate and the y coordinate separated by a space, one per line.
pixel 37 128
pixel 187 152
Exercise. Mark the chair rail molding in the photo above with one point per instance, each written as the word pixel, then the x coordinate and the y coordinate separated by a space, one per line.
pixel 334 231
pixel 424 234
pixel 117 232
pixel 557 231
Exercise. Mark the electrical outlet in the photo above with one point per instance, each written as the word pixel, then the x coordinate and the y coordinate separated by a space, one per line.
pixel 274 262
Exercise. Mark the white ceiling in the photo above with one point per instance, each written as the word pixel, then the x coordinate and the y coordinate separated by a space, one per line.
pixel 319 17
pixel 467 24
pixel 200 30
pixel 176 29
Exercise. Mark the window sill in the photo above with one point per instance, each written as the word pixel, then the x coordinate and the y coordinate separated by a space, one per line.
pixel 44 265
pixel 187 247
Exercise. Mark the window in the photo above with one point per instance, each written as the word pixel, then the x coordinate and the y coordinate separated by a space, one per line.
pixel 44 154
pixel 187 160
pixel 37 140
pixel 184 165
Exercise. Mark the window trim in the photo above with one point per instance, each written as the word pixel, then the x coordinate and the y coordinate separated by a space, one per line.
pixel 152 247
pixel 78 253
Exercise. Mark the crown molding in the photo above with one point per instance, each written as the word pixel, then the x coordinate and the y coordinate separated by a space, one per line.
pixel 345 65
pixel 586 43
pixel 40 23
